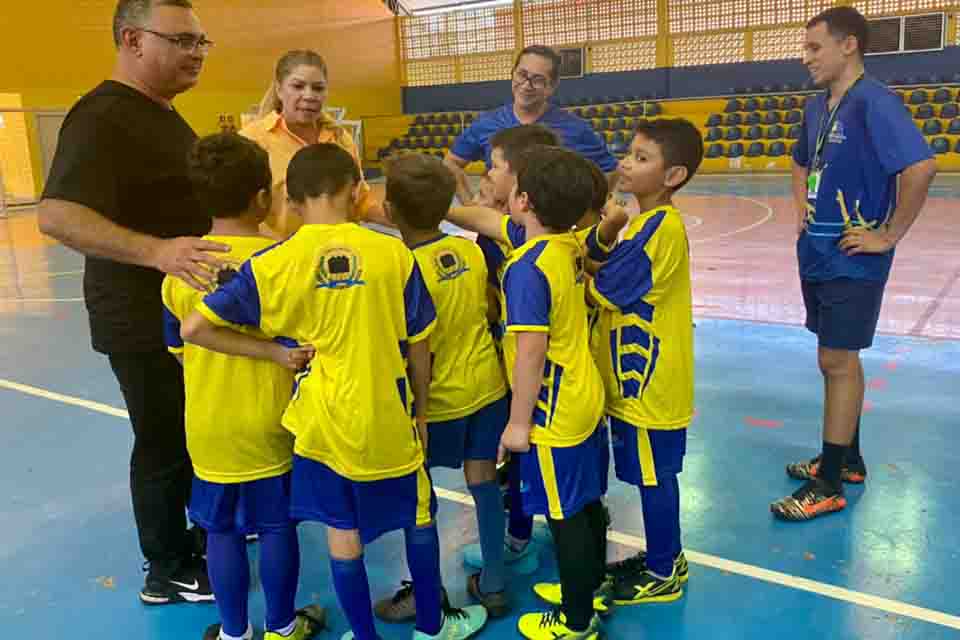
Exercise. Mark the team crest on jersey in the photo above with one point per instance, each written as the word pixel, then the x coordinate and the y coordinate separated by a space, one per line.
pixel 450 264
pixel 339 268
pixel 837 136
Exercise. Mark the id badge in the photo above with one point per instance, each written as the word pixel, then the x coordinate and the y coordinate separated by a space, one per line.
pixel 813 184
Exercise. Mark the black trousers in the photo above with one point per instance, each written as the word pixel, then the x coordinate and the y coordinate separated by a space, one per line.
pixel 160 470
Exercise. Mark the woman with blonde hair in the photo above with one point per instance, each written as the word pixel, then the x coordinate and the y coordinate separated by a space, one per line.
pixel 291 117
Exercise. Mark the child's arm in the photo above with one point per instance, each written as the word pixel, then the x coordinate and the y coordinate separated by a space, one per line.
pixel 418 359
pixel 527 379
pixel 198 330
pixel 483 220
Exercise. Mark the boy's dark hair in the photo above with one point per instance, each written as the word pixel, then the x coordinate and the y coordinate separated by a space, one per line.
pixel 842 22
pixel 559 185
pixel 226 171
pixel 420 188
pixel 601 188
pixel 680 143
pixel 513 142
pixel 544 52
pixel 320 170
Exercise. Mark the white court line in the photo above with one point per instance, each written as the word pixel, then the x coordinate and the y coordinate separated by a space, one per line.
pixel 750 571
pixel 767 218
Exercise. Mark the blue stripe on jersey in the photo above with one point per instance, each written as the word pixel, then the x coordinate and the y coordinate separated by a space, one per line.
pixel 628 275
pixel 557 376
pixel 237 301
pixel 418 304
pixel 653 361
pixel 171 329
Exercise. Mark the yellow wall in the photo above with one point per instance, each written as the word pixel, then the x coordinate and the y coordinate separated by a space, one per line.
pixel 16 166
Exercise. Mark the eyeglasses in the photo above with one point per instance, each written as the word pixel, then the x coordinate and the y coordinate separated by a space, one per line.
pixel 185 41
pixel 535 81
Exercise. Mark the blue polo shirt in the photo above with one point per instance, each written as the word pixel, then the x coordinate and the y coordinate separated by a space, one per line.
pixel 576 134
pixel 871 140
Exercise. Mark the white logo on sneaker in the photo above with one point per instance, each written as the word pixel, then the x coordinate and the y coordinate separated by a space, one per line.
pixel 192 587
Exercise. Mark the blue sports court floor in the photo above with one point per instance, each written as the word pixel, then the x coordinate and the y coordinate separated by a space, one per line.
pixel 881 569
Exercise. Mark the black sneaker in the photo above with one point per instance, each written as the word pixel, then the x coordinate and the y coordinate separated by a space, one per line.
pixel 189 584
pixel 638 564
pixel 812 500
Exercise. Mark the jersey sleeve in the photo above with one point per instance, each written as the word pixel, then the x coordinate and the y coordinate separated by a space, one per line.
pixel 514 234
pixel 171 321
pixel 527 294
pixel 592 147
pixel 236 302
pixel 468 144
pixel 596 250
pixel 897 141
pixel 801 150
pixel 421 315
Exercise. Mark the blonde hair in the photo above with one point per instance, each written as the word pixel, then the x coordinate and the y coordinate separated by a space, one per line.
pixel 285 66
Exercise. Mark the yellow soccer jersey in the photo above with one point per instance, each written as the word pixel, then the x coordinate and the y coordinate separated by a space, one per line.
pixel 467 374
pixel 359 298
pixel 543 287
pixel 233 404
pixel 643 339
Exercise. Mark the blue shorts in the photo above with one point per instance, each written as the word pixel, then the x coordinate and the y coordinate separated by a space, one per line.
pixel 640 454
pixel 373 508
pixel 560 481
pixel 245 507
pixel 474 437
pixel 843 312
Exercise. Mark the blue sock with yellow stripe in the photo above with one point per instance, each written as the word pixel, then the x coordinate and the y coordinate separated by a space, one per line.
pixel 490 522
pixel 661 523
pixel 423 559
pixel 353 592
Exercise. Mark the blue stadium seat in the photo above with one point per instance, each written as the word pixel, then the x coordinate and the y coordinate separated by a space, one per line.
pixel 754 117
pixel 620 123
pixel 416 143
pixel 793 117
pixel 618 110
pixel 402 143
pixel 620 143
pixel 932 128
pixel 924 112
pixel 733 133
pixel 714 120
pixel 714 134
pixel 715 150
pixel 653 109
pixel 606 111
pixel 941 96
pixel 431 119
pixel 468 119
pixel 448 130
pixel 733 120
pixel 419 120
pixel 754 133
pixel 756 149
pixel 752 104
pixel 940 146
pixel 443 118
pixel 735 150
pixel 794 132
pixel 733 105
pixel 636 110
pixel 771 104
pixel 790 148
pixel 439 130
pixel 772 117
pixel 919 96
pixel 950 110
pixel 777 149
pixel 957 148
pixel 774 132
pixel 954 128
pixel 608 137
pixel 591 112
pixel 579 112
pixel 791 102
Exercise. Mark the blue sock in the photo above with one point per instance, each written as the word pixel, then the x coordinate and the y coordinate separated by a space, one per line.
pixel 490 521
pixel 279 573
pixel 229 573
pixel 521 525
pixel 661 523
pixel 353 592
pixel 423 558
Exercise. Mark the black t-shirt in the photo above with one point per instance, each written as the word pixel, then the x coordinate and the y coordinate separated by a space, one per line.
pixel 125 156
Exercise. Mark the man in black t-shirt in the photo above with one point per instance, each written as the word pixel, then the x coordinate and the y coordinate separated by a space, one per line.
pixel 118 193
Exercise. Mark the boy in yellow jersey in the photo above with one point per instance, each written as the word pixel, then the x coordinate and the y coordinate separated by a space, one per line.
pixel 643 345
pixel 468 405
pixel 358 297
pixel 241 454
pixel 557 404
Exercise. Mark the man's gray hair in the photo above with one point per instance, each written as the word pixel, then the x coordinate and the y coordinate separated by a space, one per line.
pixel 135 13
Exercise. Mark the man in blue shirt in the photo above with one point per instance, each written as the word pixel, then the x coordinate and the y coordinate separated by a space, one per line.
pixel 857 140
pixel 536 75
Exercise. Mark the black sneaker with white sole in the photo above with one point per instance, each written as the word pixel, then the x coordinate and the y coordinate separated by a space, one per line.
pixel 189 584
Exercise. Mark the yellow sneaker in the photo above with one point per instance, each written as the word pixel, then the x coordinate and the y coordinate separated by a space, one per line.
pixel 552 593
pixel 552 625
pixel 310 620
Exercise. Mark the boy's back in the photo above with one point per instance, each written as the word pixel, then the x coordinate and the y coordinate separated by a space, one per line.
pixel 345 290
pixel 229 399
pixel 466 370
pixel 643 340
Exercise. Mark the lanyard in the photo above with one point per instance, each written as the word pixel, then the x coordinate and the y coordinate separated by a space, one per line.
pixel 823 131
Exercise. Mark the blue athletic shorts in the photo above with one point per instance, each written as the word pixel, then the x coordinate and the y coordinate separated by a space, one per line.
pixel 843 312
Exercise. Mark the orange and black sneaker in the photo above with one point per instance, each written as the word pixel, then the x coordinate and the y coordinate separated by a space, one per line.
pixel 851 473
pixel 813 499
